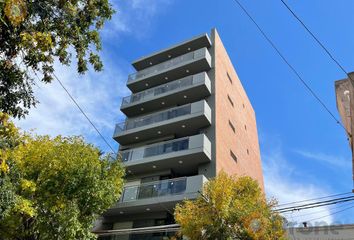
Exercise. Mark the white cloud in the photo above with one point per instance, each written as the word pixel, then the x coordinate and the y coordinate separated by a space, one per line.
pixel 323 158
pixel 282 183
pixel 99 94
pixel 134 17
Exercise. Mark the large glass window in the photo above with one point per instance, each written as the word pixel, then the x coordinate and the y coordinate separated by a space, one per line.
pixel 167 148
pixel 126 156
pixel 130 193
pixel 158 117
pixel 155 189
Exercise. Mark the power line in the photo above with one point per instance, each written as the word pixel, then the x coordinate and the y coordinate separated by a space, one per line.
pixel 78 106
pixel 93 125
pixel 83 113
pixel 306 206
pixel 330 214
pixel 323 47
pixel 307 200
pixel 304 83
pixel 315 204
pixel 321 211
pixel 316 39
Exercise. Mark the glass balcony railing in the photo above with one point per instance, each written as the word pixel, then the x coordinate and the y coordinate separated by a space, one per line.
pixel 156 91
pixel 153 118
pixel 177 61
pixel 159 232
pixel 164 65
pixel 171 235
pixel 155 149
pixel 154 189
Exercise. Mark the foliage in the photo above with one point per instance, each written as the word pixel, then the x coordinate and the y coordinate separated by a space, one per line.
pixel 9 139
pixel 53 188
pixel 33 33
pixel 230 208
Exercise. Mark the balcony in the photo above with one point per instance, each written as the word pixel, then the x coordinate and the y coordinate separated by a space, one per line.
pixel 157 196
pixel 182 121
pixel 179 92
pixel 178 67
pixel 176 50
pixel 162 232
pixel 181 155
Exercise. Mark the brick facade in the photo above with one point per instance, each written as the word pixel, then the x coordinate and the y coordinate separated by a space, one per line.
pixel 235 120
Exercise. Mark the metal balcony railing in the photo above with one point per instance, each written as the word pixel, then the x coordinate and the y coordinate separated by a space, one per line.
pixel 156 91
pixel 167 187
pixel 155 149
pixel 160 232
pixel 146 236
pixel 153 118
pixel 164 65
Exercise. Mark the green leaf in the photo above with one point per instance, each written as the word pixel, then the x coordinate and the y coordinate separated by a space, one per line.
pixel 55 187
pixel 230 208
pixel 46 32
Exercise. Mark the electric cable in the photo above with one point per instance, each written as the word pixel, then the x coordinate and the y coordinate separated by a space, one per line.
pixel 302 81
pixel 321 211
pixel 323 47
pixel 316 39
pixel 330 214
pixel 93 125
pixel 83 113
pixel 312 199
pixel 315 204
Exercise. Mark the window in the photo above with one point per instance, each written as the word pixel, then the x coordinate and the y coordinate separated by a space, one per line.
pixel 233 156
pixel 232 126
pixel 243 105
pixel 166 148
pixel 248 152
pixel 245 127
pixel 228 76
pixel 126 155
pixel 230 100
pixel 159 222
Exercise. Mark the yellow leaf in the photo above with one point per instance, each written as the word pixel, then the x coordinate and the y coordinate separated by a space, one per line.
pixel 15 11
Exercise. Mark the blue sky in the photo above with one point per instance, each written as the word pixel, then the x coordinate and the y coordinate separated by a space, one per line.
pixel 305 154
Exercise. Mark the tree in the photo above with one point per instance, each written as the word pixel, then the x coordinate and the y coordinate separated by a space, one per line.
pixel 53 188
pixel 9 138
pixel 230 208
pixel 33 33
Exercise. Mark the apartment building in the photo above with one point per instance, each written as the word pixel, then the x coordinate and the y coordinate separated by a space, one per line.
pixel 188 118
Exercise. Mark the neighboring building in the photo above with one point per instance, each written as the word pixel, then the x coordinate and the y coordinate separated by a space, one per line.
pixel 187 119
pixel 345 105
pixel 331 232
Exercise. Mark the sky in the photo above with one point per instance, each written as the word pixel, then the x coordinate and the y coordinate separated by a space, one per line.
pixel 305 153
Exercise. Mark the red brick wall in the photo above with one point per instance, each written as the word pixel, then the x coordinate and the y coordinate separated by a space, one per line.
pixel 244 141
